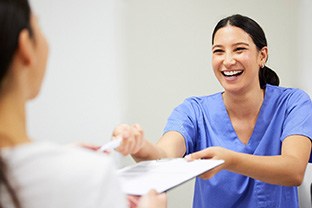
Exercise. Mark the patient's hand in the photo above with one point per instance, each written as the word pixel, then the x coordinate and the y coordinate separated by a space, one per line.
pixel 153 200
pixel 150 200
pixel 89 146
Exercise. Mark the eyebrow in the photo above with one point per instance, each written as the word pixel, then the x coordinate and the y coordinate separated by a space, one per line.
pixel 235 44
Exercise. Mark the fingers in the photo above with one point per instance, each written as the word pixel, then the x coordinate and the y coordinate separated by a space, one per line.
pixel 91 147
pixel 133 201
pixel 203 154
pixel 87 146
pixel 121 130
pixel 132 138
pixel 138 135
pixel 209 153
pixel 153 200
pixel 209 174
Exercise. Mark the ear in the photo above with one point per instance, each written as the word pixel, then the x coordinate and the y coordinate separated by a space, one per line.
pixel 263 56
pixel 25 51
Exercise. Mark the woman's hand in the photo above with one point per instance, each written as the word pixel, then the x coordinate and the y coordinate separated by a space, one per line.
pixel 217 153
pixel 150 200
pixel 153 200
pixel 132 138
pixel 133 201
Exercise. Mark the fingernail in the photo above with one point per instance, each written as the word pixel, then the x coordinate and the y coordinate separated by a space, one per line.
pixel 188 157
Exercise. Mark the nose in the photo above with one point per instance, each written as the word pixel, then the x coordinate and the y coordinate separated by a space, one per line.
pixel 228 60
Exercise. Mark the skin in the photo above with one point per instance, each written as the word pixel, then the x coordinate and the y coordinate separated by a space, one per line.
pixel 22 83
pixel 233 51
pixel 150 201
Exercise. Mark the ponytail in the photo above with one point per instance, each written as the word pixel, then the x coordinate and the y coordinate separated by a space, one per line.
pixel 267 76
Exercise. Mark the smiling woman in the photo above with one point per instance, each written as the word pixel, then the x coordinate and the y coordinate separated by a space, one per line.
pixel 253 37
pixel 261 131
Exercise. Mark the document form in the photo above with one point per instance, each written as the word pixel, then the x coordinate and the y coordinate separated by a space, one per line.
pixel 162 175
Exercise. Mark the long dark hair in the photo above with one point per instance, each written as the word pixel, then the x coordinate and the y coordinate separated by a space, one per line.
pixel 14 17
pixel 266 75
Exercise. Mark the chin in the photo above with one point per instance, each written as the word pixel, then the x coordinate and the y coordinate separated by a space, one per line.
pixel 233 88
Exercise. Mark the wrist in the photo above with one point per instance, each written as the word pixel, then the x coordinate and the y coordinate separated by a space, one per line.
pixel 232 160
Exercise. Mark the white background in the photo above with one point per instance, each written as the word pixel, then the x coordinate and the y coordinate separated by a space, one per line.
pixel 114 61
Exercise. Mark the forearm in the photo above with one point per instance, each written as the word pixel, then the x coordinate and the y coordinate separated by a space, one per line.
pixel 170 145
pixel 281 170
pixel 286 169
pixel 149 151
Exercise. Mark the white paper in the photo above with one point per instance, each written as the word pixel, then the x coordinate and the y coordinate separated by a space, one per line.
pixel 161 175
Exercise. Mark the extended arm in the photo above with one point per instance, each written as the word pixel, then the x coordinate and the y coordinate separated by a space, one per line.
pixel 286 169
pixel 170 145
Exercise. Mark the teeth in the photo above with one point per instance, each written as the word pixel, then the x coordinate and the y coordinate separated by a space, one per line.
pixel 231 73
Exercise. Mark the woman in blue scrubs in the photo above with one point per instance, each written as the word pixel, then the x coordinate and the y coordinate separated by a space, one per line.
pixel 262 131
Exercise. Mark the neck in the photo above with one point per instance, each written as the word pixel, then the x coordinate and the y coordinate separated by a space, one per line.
pixel 12 121
pixel 244 105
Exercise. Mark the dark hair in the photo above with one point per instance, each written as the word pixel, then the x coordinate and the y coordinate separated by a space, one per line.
pixel 266 75
pixel 14 17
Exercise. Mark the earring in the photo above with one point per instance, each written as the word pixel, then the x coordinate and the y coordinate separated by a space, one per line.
pixel 262 66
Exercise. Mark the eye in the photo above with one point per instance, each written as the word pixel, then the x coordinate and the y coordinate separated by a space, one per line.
pixel 240 49
pixel 217 51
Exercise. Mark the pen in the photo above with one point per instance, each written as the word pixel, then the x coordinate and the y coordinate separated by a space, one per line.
pixel 111 145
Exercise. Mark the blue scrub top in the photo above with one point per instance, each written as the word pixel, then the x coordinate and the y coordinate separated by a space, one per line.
pixel 204 122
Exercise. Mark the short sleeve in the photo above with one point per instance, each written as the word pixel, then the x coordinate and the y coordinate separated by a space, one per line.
pixel 183 120
pixel 299 116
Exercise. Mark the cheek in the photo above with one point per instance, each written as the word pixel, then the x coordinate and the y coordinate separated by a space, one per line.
pixel 44 51
pixel 216 63
pixel 247 59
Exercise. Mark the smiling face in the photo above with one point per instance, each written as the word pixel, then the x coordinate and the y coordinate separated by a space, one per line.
pixel 236 60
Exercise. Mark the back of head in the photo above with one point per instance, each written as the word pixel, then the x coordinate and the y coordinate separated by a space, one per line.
pixel 266 75
pixel 14 16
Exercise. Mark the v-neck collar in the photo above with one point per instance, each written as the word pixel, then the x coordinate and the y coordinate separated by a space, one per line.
pixel 230 133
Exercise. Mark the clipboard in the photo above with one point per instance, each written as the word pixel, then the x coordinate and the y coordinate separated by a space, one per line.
pixel 162 175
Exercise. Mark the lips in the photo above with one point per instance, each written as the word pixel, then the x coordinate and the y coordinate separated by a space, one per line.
pixel 233 73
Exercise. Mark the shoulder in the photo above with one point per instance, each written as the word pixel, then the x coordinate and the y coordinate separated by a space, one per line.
pixel 61 172
pixel 51 155
pixel 65 160
pixel 197 104
pixel 202 100
pixel 57 162
pixel 290 94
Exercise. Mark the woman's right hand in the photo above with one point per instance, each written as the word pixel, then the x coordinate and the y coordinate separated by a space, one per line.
pixel 132 138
